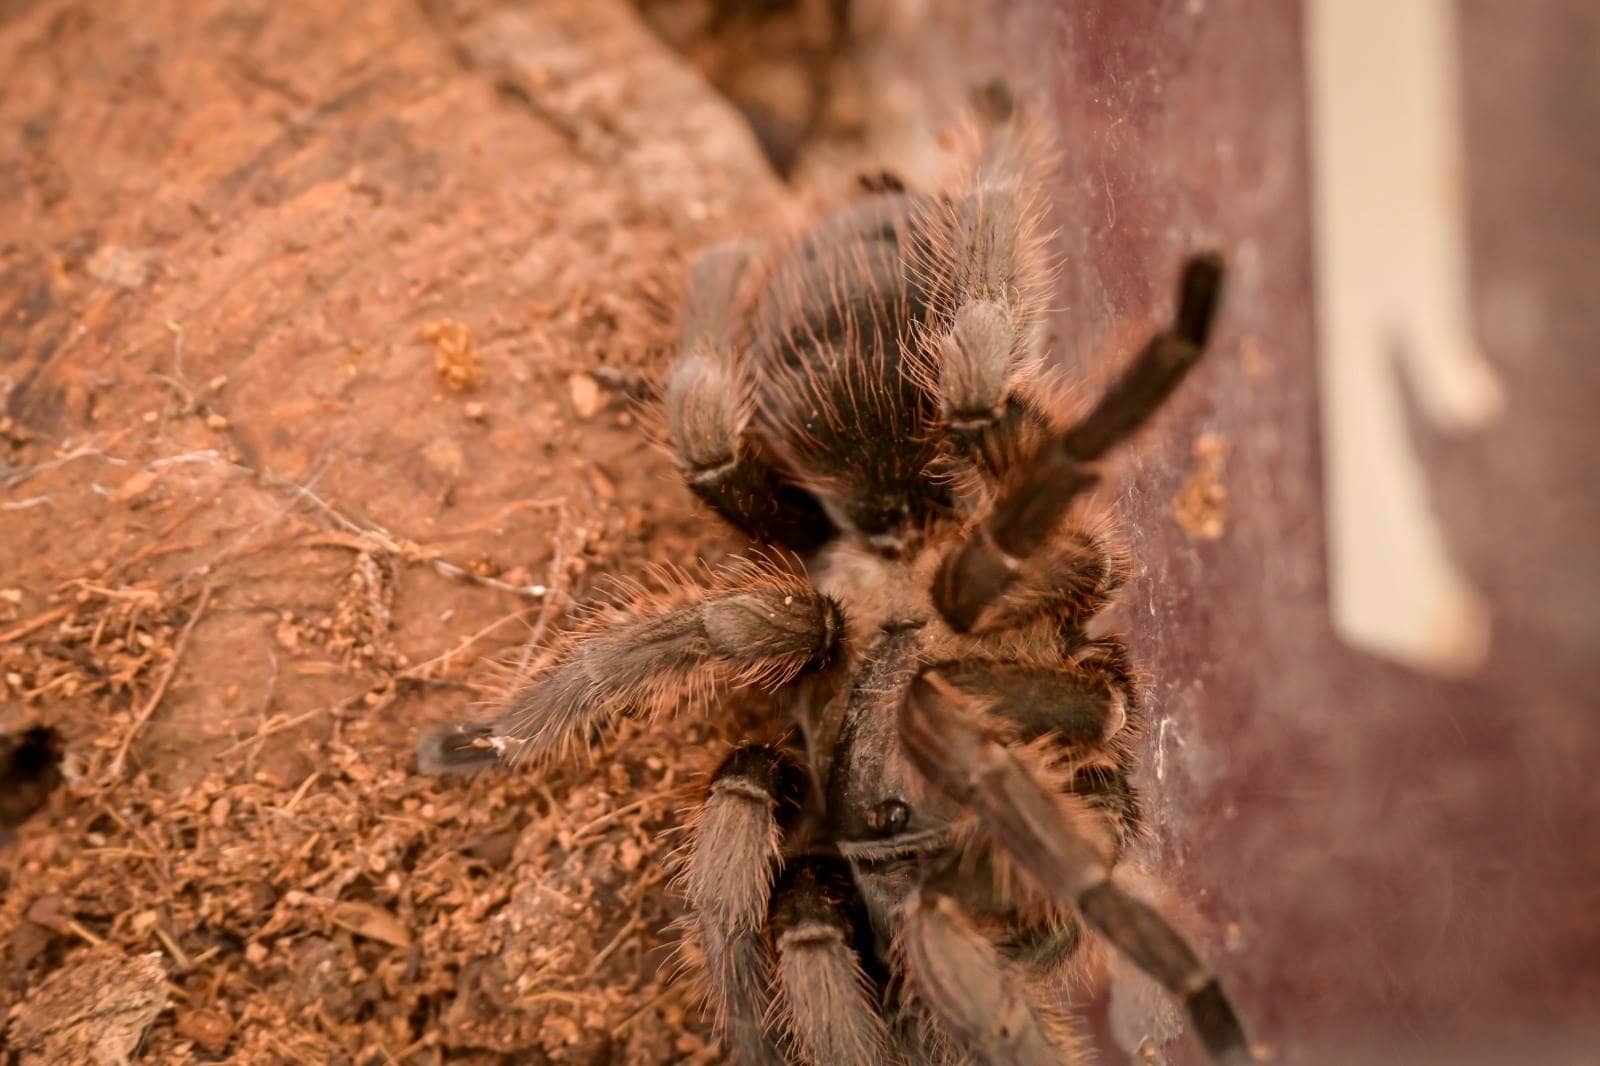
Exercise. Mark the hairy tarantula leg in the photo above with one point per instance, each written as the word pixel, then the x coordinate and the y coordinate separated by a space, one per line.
pixel 728 883
pixel 982 256
pixel 765 629
pixel 1072 579
pixel 824 992
pixel 706 417
pixel 1028 510
pixel 761 633
pixel 1080 707
pixel 1036 830
pixel 982 999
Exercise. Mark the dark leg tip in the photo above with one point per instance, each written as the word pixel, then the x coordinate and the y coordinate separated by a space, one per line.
pixel 1217 1025
pixel 456 748
pixel 1199 296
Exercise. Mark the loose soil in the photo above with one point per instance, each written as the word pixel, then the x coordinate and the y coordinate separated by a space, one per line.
pixel 322 329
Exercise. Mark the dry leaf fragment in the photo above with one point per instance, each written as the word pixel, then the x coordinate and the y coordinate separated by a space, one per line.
pixel 210 1029
pixel 372 922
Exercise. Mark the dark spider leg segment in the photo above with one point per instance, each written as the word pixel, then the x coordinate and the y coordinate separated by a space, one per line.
pixel 980 998
pixel 722 462
pixel 729 881
pixel 997 446
pixel 1080 707
pixel 750 494
pixel 1071 580
pixel 1027 512
pixel 953 754
pixel 824 991
pixel 1147 938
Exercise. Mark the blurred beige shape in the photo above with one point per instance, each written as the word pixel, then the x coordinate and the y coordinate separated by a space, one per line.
pixel 1392 290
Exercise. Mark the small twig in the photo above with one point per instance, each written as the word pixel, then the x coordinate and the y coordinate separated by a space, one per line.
pixel 76 927
pixel 605 820
pixel 632 924
pixel 427 1040
pixel 27 472
pixel 555 581
pixel 559 996
pixel 300 792
pixel 116 850
pixel 150 705
pixel 654 1001
pixel 161 861
pixel 272 684
pixel 176 329
pixel 286 1051
pixel 366 540
pixel 532 592
pixel 54 614
pixel 232 548
pixel 495 521
pixel 278 725
pixel 134 594
pixel 421 671
pixel 178 954
pixel 183 391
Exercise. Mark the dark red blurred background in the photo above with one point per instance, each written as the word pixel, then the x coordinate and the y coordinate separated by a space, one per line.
pixel 1393 867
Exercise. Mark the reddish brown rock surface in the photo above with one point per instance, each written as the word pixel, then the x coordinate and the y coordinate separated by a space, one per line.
pixel 292 303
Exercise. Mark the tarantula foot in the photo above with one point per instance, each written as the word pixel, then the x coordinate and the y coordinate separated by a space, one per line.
pixel 1199 296
pixel 1218 1026
pixel 460 748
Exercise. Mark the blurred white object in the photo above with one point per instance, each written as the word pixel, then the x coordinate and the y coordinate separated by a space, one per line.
pixel 1392 285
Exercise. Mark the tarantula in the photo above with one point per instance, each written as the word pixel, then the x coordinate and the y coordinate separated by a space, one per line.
pixel 906 873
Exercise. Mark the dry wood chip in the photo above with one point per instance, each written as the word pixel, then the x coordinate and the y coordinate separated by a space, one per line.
pixel 372 922
pixel 457 358
pixel 92 1012
pixel 585 392
pixel 136 485
pixel 209 1028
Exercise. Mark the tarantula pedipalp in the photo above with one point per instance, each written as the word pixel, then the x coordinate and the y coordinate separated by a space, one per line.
pixel 906 876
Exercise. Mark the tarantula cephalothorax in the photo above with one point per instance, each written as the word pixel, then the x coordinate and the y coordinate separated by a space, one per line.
pixel 906 873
